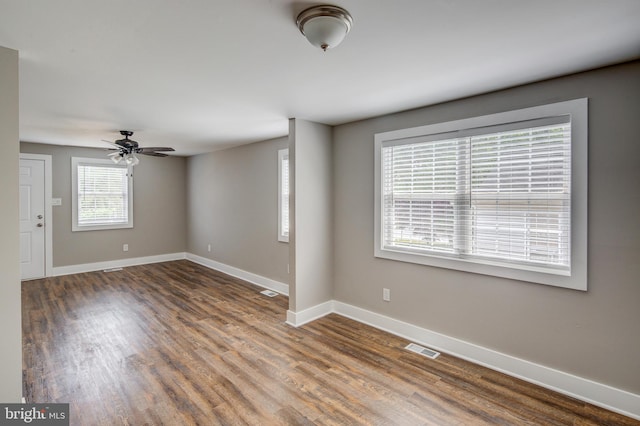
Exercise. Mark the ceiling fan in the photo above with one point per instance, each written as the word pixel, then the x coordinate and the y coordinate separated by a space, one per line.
pixel 126 150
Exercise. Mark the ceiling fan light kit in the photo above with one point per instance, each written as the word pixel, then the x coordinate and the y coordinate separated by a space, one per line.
pixel 325 26
pixel 129 159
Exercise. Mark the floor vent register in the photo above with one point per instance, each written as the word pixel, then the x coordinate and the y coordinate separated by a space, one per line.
pixel 429 353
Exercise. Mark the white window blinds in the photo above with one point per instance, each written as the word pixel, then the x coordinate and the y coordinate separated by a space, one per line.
pixel 102 195
pixel 283 195
pixel 496 194
pixel 420 189
pixel 521 195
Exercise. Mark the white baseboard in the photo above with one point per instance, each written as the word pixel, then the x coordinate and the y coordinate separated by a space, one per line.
pixel 256 279
pixel 604 396
pixel 300 318
pixel 120 263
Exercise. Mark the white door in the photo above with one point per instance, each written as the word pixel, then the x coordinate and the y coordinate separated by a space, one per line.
pixel 32 219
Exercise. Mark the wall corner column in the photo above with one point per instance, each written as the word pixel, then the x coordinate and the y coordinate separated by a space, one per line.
pixel 10 295
pixel 310 218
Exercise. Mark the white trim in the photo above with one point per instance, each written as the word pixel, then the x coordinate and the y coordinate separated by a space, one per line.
pixel 256 279
pixel 120 263
pixel 48 212
pixel 297 319
pixel 595 393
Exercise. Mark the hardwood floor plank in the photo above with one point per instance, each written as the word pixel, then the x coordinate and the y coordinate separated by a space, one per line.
pixel 290 416
pixel 178 344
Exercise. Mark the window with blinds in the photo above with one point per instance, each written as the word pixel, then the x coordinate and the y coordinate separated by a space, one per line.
pixel 102 195
pixel 499 194
pixel 283 195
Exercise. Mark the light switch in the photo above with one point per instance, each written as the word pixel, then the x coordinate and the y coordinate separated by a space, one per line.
pixel 386 295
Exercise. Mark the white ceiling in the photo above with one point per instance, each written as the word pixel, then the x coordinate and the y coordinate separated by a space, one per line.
pixel 201 75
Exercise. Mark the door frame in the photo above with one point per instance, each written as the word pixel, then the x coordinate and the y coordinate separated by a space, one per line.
pixel 48 211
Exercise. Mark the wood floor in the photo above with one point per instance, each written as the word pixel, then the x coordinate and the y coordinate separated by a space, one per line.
pixel 178 344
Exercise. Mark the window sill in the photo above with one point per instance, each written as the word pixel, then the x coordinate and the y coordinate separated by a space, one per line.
pixel 531 274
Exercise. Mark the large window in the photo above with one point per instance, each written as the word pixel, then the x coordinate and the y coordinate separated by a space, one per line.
pixel 503 195
pixel 283 195
pixel 102 195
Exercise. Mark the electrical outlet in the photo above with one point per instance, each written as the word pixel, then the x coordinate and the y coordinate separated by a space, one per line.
pixel 125 247
pixel 209 248
pixel 386 295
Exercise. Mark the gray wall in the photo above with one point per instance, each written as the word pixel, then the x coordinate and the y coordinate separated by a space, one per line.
pixel 592 334
pixel 311 225
pixel 10 306
pixel 159 210
pixel 233 205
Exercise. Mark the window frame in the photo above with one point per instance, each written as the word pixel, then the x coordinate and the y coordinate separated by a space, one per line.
pixel 577 277
pixel 81 161
pixel 283 155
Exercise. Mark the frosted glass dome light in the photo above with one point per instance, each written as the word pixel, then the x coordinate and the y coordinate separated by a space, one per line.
pixel 325 26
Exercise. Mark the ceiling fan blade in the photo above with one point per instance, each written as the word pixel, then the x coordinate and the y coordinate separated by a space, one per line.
pixel 153 154
pixel 112 144
pixel 155 149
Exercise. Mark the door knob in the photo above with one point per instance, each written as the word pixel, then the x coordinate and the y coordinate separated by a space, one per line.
pixel 39 216
pixel 39 225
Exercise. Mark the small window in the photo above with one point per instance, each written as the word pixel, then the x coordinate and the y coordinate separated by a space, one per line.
pixel 102 195
pixel 502 195
pixel 283 195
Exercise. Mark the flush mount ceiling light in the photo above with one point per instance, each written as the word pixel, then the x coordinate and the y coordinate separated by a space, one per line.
pixel 324 26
